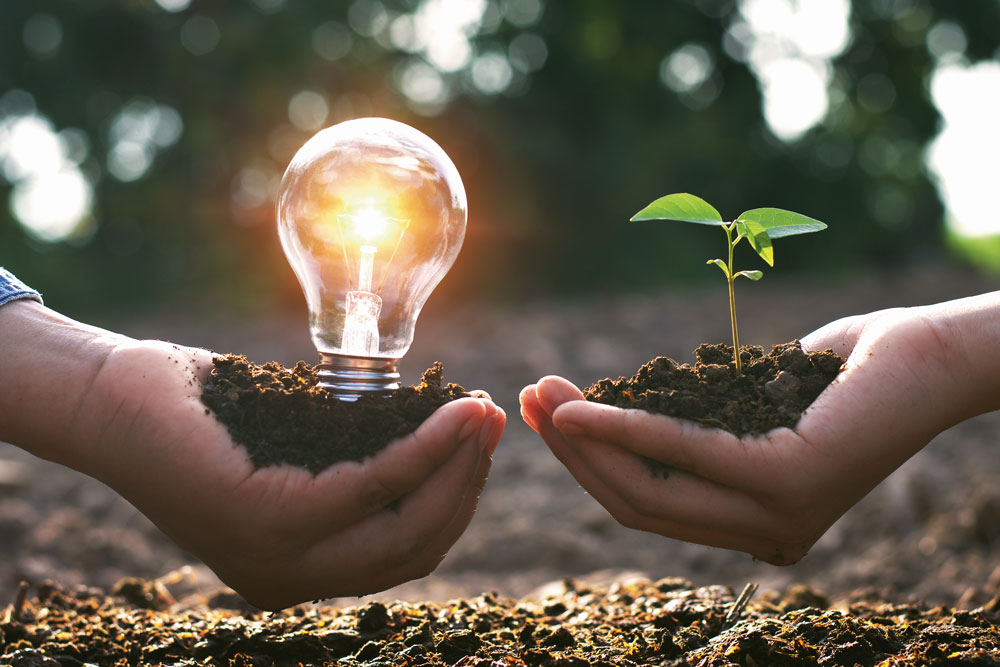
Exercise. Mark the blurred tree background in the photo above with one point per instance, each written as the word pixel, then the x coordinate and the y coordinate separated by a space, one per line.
pixel 142 141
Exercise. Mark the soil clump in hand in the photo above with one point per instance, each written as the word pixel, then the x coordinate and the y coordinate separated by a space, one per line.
pixel 773 390
pixel 281 415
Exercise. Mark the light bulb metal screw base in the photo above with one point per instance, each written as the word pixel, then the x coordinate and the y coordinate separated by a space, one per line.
pixel 348 377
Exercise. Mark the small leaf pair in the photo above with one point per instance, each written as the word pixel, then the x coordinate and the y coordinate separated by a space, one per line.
pixel 759 226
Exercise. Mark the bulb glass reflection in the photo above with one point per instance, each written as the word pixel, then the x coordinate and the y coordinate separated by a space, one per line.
pixel 371 215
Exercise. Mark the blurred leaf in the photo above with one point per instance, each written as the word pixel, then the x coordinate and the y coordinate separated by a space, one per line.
pixel 752 275
pixel 779 222
pixel 680 207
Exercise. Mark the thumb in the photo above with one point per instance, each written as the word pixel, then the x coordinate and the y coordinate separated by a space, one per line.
pixel 841 335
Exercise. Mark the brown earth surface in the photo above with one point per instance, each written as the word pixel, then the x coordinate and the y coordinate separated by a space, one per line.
pixel 929 532
pixel 632 622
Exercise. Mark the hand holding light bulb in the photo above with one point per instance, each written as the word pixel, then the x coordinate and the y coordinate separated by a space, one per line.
pixel 129 413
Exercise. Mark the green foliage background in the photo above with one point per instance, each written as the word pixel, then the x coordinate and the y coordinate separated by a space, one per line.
pixel 553 172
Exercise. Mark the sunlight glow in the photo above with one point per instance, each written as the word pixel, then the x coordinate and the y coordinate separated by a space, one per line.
pixel 50 197
pixel 963 156
pixel 788 45
pixel 440 34
pixel 53 206
pixel 140 130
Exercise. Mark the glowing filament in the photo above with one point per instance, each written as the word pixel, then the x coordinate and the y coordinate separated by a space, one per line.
pixel 364 305
pixel 366 268
pixel 370 224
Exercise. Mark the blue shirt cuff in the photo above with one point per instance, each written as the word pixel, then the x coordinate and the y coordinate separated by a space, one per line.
pixel 12 289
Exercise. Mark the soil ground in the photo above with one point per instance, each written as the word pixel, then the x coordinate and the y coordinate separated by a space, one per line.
pixel 928 532
pixel 633 622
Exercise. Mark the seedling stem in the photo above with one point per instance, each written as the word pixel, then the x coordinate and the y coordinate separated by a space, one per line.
pixel 759 226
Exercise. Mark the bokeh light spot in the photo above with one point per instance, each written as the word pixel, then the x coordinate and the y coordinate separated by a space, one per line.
pixel 137 132
pixel 308 110
pixel 29 148
pixel 491 73
pixel 528 52
pixel 200 35
pixel 52 206
pixel 789 45
pixel 423 85
pixel 876 92
pixel 254 186
pixel 269 6
pixel 129 160
pixel 367 17
pixel 795 97
pixel 42 35
pixel 50 197
pixel 332 40
pixel 523 13
pixel 173 6
pixel 686 68
pixel 963 156
pixel 946 40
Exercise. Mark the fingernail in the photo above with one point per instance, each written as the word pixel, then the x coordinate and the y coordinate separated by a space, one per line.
pixel 570 428
pixel 489 436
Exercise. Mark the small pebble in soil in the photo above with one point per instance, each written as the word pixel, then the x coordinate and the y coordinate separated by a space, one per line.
pixel 281 415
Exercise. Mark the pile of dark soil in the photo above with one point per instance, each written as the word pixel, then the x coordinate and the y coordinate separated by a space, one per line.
pixel 631 623
pixel 280 415
pixel 773 390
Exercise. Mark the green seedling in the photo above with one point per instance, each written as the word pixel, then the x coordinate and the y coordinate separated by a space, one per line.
pixel 759 226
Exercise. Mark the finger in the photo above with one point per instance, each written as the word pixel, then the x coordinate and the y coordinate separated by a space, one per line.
pixel 492 430
pixel 531 412
pixel 553 391
pixel 347 562
pixel 841 335
pixel 707 452
pixel 675 495
pixel 422 564
pixel 414 457
pixel 628 516
pixel 348 492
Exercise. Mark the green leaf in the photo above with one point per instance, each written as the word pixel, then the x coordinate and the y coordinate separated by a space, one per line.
pixel 758 237
pixel 722 265
pixel 779 222
pixel 752 275
pixel 680 207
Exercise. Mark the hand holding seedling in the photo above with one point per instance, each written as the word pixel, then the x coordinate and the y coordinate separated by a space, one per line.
pixel 910 373
pixel 128 413
pixel 759 226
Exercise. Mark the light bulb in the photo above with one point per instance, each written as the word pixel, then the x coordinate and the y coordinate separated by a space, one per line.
pixel 371 215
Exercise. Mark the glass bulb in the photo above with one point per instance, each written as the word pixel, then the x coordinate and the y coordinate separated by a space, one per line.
pixel 371 215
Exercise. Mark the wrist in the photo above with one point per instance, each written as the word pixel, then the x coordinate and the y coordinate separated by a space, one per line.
pixel 48 363
pixel 970 337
